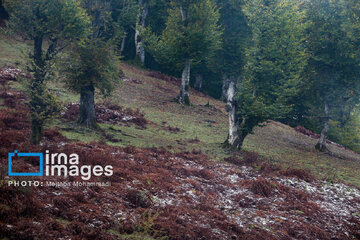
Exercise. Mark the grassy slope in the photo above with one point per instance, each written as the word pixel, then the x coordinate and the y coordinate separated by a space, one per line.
pixel 276 142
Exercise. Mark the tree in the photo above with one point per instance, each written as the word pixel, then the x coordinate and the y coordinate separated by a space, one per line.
pixel 333 67
pixel 53 21
pixel 230 59
pixel 92 64
pixel 139 44
pixel 236 36
pixel 351 24
pixel 124 13
pixel 3 14
pixel 273 65
pixel 149 10
pixel 192 34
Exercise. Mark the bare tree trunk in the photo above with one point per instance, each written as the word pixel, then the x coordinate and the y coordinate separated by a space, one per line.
pixel 183 13
pixel 321 145
pixel 185 77
pixel 198 81
pixel 184 88
pixel 139 44
pixel 123 41
pixel 234 139
pixel 87 107
pixel 225 87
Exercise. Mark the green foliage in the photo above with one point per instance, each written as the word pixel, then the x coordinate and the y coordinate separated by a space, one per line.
pixel 333 70
pixel 91 62
pixel 348 132
pixel 352 25
pixel 230 58
pixel 332 73
pixel 124 13
pixel 147 226
pixel 57 22
pixel 46 18
pixel 105 19
pixel 275 61
pixel 195 36
pixel 158 14
pixel 51 105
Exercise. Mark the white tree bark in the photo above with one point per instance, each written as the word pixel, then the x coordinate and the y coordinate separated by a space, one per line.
pixel 185 77
pixel 139 44
pixel 183 13
pixel 225 87
pixel 184 88
pixel 233 139
pixel 123 42
pixel 321 145
pixel 198 81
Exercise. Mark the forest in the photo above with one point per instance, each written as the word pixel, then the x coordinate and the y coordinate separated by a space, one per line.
pixel 296 62
pixel 219 119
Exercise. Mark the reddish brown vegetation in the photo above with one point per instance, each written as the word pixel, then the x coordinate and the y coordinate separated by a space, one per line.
pixel 138 198
pixel 234 160
pixel 251 158
pixel 110 114
pixel 167 78
pixel 261 187
pixel 248 159
pixel 131 80
pixel 306 132
pixel 190 196
pixel 311 134
pixel 299 173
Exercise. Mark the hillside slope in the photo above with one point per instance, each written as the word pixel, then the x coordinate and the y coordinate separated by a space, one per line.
pixel 201 126
pixel 204 128
pixel 170 178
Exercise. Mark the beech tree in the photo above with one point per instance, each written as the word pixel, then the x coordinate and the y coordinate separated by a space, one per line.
pixel 192 34
pixel 125 14
pixel 55 22
pixel 333 69
pixel 274 62
pixel 91 63
pixel 150 13
pixel 139 43
pixel 230 59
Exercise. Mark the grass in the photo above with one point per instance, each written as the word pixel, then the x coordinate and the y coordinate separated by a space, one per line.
pixel 288 148
pixel 62 221
pixel 12 51
pixel 201 127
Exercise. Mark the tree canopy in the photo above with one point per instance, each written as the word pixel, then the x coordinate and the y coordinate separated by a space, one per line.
pixel 56 22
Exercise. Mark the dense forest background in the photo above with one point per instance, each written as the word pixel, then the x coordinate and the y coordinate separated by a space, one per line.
pixel 295 61
pixel 221 119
